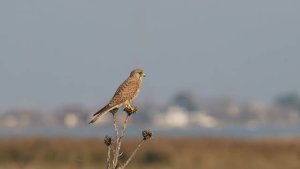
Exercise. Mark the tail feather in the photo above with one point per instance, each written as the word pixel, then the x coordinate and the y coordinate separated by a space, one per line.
pixel 101 112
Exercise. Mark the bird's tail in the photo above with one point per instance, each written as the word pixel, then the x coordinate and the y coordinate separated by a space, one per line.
pixel 101 112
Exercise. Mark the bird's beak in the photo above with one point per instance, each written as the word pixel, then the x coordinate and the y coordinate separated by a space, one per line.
pixel 144 75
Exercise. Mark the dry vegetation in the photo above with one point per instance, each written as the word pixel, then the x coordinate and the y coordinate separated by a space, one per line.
pixel 159 153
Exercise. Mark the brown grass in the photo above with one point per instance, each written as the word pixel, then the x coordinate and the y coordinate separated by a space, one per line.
pixel 158 153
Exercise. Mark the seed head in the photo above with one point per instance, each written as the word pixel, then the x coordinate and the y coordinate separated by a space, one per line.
pixel 107 140
pixel 147 134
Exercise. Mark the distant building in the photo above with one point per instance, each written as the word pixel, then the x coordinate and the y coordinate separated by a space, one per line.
pixel 71 120
pixel 173 117
pixel 179 118
pixel 203 119
pixel 71 116
pixel 23 117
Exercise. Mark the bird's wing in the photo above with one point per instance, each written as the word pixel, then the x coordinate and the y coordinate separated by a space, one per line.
pixel 126 91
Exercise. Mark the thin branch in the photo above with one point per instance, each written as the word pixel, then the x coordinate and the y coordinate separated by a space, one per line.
pixel 123 130
pixel 115 125
pixel 108 157
pixel 133 153
pixel 114 145
pixel 108 142
pixel 115 159
pixel 124 126
pixel 119 142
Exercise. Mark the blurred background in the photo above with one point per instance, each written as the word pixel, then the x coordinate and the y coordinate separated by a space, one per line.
pixel 222 86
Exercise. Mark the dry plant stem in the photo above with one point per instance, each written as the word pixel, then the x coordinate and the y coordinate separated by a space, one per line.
pixel 115 125
pixel 124 126
pixel 122 134
pixel 133 153
pixel 108 158
pixel 119 141
pixel 115 155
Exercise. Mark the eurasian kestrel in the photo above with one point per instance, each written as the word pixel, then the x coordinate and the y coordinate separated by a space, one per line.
pixel 124 95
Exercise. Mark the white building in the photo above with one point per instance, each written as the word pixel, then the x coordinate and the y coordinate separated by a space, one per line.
pixel 173 117
pixel 203 119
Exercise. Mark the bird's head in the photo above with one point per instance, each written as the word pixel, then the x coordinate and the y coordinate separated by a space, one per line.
pixel 139 73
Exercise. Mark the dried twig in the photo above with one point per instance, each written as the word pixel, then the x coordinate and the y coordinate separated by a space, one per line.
pixel 108 141
pixel 115 157
pixel 123 131
pixel 133 153
pixel 119 140
pixel 108 158
pixel 114 145
pixel 147 134
pixel 124 126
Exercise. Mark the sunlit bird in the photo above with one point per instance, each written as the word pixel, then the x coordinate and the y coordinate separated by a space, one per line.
pixel 124 95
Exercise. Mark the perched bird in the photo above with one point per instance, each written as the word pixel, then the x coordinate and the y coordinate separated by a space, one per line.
pixel 124 95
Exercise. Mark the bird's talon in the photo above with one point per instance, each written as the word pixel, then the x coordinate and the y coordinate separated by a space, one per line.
pixel 134 109
pixel 130 110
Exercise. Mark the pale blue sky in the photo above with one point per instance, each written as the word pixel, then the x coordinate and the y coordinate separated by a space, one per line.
pixel 70 51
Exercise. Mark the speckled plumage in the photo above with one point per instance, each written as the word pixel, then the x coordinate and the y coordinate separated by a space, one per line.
pixel 124 95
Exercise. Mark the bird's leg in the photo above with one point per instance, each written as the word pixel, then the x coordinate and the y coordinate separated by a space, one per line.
pixel 130 108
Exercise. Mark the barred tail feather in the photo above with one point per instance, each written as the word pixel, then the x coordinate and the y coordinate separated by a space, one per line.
pixel 101 112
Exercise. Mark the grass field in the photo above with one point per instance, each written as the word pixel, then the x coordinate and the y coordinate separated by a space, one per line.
pixel 158 153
